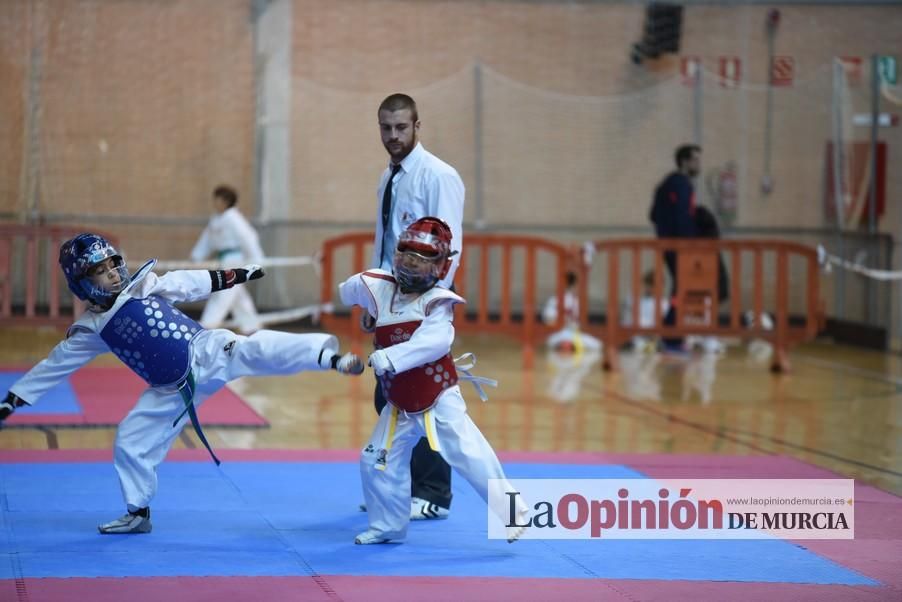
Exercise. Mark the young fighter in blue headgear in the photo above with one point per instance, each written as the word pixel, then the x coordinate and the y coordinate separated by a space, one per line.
pixel 133 317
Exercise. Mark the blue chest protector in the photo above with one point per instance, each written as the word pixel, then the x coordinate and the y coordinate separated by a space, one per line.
pixel 153 338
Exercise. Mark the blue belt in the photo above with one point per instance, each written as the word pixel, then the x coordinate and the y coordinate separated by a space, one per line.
pixel 222 253
pixel 186 390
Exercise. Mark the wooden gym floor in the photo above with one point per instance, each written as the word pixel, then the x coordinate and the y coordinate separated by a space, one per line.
pixel 839 408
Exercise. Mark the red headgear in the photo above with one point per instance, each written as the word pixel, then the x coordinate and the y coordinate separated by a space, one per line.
pixel 430 238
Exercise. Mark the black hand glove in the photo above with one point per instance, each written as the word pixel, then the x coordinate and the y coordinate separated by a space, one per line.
pixel 223 279
pixel 9 405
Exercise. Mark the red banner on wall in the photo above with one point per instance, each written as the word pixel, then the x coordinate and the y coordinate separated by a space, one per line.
pixel 689 69
pixel 782 71
pixel 730 71
pixel 853 67
pixel 856 183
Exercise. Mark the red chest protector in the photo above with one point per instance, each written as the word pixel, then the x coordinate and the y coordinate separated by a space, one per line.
pixel 415 390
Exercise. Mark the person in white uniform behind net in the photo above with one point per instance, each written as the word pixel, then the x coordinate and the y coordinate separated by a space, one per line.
pixel 230 239
pixel 182 363
pixel 413 337
pixel 569 338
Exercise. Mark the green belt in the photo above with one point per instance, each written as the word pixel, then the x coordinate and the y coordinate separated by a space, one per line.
pixel 186 390
pixel 224 252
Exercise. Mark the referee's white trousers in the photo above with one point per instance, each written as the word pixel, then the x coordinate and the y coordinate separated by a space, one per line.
pixel 145 435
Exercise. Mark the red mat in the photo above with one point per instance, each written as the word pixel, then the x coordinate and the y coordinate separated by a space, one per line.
pixel 106 395
pixel 331 588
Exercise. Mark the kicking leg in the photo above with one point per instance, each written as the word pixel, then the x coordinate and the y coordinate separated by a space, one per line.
pixel 269 352
pixel 469 453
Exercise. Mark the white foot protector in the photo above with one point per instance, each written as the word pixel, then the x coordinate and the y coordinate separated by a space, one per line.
pixel 368 537
pixel 350 364
pixel 515 533
pixel 130 523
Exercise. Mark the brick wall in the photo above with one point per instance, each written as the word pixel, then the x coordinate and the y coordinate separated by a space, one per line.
pixel 140 108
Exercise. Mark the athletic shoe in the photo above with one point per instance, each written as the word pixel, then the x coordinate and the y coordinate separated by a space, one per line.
pixel 421 509
pixel 130 523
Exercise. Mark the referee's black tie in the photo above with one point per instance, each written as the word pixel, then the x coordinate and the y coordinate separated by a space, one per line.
pixel 386 196
pixel 386 203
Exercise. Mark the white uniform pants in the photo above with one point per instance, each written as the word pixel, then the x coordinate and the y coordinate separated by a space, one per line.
pixel 146 434
pixel 572 336
pixel 461 444
pixel 236 300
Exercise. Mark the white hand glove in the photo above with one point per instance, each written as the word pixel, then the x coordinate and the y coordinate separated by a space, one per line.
pixel 367 322
pixel 380 363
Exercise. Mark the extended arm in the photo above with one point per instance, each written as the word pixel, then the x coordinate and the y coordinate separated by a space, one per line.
pixel 195 285
pixel 67 357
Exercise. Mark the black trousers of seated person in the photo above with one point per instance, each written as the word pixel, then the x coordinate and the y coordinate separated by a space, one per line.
pixel 430 475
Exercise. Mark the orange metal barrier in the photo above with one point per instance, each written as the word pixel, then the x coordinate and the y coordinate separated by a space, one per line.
pixel 628 252
pixel 329 281
pixel 520 320
pixel 40 250
pixel 28 259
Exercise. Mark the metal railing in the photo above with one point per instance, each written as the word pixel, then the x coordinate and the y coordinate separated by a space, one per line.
pixel 32 286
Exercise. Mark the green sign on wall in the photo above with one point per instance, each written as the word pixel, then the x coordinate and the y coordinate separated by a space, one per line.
pixel 886 67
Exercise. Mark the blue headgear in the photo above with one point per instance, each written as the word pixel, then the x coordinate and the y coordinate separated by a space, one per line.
pixel 78 255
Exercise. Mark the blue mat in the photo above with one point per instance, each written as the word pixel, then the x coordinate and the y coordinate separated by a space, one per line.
pixel 271 519
pixel 60 399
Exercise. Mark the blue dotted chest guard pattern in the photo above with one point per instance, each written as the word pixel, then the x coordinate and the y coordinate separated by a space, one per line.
pixel 153 338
